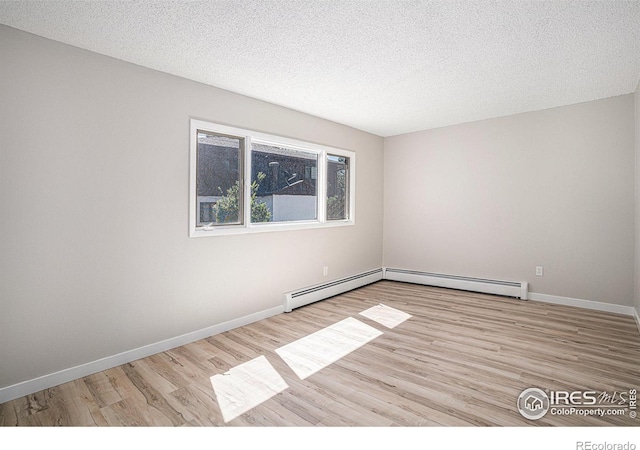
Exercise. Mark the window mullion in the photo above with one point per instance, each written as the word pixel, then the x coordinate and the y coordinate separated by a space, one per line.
pixel 246 183
pixel 322 187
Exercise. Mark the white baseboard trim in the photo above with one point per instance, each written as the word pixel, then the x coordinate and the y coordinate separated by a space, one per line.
pixel 63 376
pixel 513 289
pixel 580 303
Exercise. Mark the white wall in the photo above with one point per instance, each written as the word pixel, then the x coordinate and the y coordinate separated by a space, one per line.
pixel 95 257
pixel 495 198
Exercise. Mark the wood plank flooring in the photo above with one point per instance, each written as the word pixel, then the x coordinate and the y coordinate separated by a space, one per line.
pixel 462 359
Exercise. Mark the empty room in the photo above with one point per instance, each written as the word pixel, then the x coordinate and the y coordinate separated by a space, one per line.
pixel 420 214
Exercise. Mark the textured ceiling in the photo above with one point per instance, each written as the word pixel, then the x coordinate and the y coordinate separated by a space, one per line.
pixel 387 67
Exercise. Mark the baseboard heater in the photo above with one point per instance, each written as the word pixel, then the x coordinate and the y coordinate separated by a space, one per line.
pixel 507 288
pixel 311 294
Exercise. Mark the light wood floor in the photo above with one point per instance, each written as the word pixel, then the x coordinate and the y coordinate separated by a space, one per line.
pixel 461 360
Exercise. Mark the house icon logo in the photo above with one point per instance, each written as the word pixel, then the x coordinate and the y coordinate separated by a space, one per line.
pixel 533 403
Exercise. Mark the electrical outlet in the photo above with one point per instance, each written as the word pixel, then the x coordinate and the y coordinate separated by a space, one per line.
pixel 325 270
pixel 539 271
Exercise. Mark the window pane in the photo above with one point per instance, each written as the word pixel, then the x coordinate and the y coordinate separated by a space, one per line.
pixel 337 187
pixel 283 184
pixel 218 183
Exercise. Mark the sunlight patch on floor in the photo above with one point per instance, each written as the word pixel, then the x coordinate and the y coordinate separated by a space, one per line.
pixel 246 386
pixel 312 353
pixel 385 315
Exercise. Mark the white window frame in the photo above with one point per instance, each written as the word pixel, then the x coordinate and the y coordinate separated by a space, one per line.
pixel 263 138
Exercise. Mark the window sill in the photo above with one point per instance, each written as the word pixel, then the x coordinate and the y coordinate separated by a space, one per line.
pixel 266 228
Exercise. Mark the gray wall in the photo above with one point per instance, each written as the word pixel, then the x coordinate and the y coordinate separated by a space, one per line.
pixel 495 198
pixel 637 209
pixel 95 257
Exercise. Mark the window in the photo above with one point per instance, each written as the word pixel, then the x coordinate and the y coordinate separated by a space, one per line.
pixel 282 180
pixel 244 181
pixel 337 187
pixel 219 177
